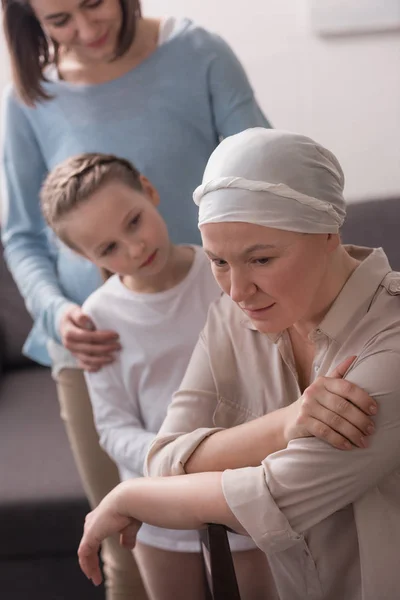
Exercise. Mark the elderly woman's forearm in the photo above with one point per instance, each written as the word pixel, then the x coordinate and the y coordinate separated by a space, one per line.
pixel 188 502
pixel 243 446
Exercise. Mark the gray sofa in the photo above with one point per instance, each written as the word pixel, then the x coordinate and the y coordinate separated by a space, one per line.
pixel 42 505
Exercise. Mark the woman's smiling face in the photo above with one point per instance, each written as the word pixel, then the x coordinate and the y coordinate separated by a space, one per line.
pixel 90 28
pixel 276 277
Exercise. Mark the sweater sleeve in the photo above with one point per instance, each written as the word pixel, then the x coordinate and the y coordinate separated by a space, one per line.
pixel 26 247
pixel 233 103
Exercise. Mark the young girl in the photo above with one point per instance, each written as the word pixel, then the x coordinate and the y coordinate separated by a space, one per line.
pixel 157 301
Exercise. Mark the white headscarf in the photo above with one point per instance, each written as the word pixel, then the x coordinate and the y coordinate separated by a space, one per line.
pixel 273 178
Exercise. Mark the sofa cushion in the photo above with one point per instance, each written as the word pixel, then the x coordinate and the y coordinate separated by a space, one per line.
pixel 42 504
pixel 375 223
pixel 15 322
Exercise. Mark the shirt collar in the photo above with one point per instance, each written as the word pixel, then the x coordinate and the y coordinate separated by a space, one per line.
pixel 359 290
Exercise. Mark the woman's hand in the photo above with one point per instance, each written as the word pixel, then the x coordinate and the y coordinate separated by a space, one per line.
pixel 92 348
pixel 103 521
pixel 333 410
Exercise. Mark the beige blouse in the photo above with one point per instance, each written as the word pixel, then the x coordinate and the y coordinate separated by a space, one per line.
pixel 328 520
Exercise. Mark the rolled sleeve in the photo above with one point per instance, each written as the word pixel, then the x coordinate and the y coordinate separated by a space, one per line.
pixel 304 484
pixel 247 494
pixel 168 454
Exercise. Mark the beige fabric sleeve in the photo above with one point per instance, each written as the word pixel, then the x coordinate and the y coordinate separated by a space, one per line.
pixel 300 486
pixel 189 419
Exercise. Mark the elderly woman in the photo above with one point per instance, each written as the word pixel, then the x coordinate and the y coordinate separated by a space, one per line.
pixel 297 303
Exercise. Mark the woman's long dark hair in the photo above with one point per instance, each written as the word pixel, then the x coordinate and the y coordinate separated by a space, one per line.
pixel 31 51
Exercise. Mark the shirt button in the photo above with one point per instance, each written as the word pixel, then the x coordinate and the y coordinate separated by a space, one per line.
pixel 394 287
pixel 314 335
pixel 316 368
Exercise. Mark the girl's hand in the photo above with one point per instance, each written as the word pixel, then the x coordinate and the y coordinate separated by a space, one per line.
pixel 92 348
pixel 102 522
pixel 333 410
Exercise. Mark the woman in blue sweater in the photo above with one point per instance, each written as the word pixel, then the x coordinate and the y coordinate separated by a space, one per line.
pixel 95 76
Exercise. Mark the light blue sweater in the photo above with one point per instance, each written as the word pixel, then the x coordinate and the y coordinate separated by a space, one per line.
pixel 166 116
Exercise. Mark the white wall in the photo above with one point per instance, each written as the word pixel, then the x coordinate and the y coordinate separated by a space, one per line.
pixel 344 91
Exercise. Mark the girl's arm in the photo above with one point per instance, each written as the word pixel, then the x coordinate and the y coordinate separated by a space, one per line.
pixel 117 417
pixel 116 409
pixel 188 502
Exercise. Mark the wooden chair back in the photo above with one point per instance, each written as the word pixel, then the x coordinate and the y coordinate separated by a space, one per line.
pixel 218 564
